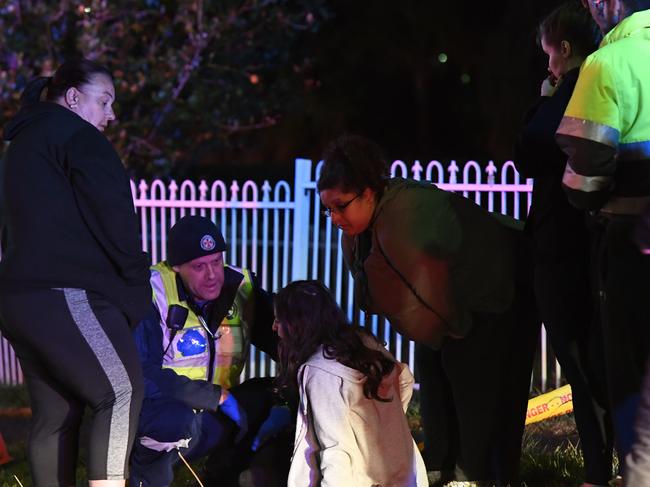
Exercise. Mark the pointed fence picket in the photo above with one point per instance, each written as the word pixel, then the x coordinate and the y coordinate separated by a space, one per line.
pixel 276 230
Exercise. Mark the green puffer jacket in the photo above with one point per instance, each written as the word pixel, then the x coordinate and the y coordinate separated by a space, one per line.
pixel 430 259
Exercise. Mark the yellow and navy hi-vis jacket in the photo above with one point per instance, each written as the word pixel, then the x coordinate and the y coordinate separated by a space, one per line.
pixel 606 126
pixel 193 353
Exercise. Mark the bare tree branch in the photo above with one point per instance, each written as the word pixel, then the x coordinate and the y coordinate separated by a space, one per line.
pixel 235 128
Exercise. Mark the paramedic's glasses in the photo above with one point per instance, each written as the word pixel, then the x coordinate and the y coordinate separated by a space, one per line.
pixel 338 209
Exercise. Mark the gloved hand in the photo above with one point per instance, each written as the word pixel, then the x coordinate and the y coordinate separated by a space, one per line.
pixel 231 408
pixel 277 420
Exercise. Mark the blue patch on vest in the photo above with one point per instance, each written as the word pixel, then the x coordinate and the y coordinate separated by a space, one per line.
pixel 191 343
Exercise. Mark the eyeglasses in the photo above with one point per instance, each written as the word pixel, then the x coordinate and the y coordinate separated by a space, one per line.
pixel 338 209
pixel 598 4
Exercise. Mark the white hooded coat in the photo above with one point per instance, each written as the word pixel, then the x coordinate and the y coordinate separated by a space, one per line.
pixel 346 439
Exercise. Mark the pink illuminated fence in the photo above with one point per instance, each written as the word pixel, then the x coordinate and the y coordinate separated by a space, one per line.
pixel 277 231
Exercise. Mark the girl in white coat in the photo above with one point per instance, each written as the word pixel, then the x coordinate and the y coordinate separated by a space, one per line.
pixel 351 428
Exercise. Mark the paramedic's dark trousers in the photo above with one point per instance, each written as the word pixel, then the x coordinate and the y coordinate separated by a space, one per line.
pixel 624 275
pixel 212 434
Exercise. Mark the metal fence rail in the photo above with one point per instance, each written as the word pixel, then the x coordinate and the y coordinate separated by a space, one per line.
pixel 276 230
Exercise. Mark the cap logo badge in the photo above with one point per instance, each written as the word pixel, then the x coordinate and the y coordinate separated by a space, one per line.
pixel 207 243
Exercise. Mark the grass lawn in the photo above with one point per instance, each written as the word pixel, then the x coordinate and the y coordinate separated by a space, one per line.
pixel 550 458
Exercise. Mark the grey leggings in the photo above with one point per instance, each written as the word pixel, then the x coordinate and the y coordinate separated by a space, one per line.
pixel 76 351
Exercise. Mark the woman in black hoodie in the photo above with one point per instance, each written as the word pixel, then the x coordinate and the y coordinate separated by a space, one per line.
pixel 73 277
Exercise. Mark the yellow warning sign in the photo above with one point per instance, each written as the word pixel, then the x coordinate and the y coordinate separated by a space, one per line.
pixel 554 403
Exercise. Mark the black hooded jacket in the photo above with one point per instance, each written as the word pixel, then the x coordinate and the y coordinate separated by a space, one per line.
pixel 69 219
pixel 558 228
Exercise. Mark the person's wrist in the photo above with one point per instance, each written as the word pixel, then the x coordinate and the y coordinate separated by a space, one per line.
pixel 223 396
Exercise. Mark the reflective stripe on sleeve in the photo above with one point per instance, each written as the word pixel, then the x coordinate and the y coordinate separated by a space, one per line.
pixel 585 129
pixel 588 184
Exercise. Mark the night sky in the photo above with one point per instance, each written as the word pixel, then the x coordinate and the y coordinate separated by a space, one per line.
pixel 378 72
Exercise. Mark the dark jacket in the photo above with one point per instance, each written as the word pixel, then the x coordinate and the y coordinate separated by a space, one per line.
pixel 200 394
pixel 429 259
pixel 69 219
pixel 556 226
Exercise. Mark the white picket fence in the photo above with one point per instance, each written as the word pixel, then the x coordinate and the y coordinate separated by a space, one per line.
pixel 277 231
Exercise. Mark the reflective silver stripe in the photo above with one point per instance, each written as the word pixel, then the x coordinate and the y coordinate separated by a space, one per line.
pixel 631 205
pixel 634 151
pixel 585 129
pixel 118 377
pixel 588 184
pixel 156 445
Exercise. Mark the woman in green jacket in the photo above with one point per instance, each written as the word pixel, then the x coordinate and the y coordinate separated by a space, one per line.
pixel 442 270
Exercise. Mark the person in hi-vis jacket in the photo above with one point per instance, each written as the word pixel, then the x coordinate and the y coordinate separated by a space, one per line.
pixel 605 132
pixel 193 349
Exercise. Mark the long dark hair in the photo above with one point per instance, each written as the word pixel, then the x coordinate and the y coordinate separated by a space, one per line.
pixel 73 73
pixel 310 317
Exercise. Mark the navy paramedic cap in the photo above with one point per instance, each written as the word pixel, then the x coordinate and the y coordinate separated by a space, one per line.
pixel 192 237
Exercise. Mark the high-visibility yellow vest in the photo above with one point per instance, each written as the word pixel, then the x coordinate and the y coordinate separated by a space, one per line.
pixel 606 126
pixel 193 353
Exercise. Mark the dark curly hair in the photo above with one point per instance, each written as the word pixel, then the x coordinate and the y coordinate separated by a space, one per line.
pixel 353 163
pixel 570 22
pixel 310 317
